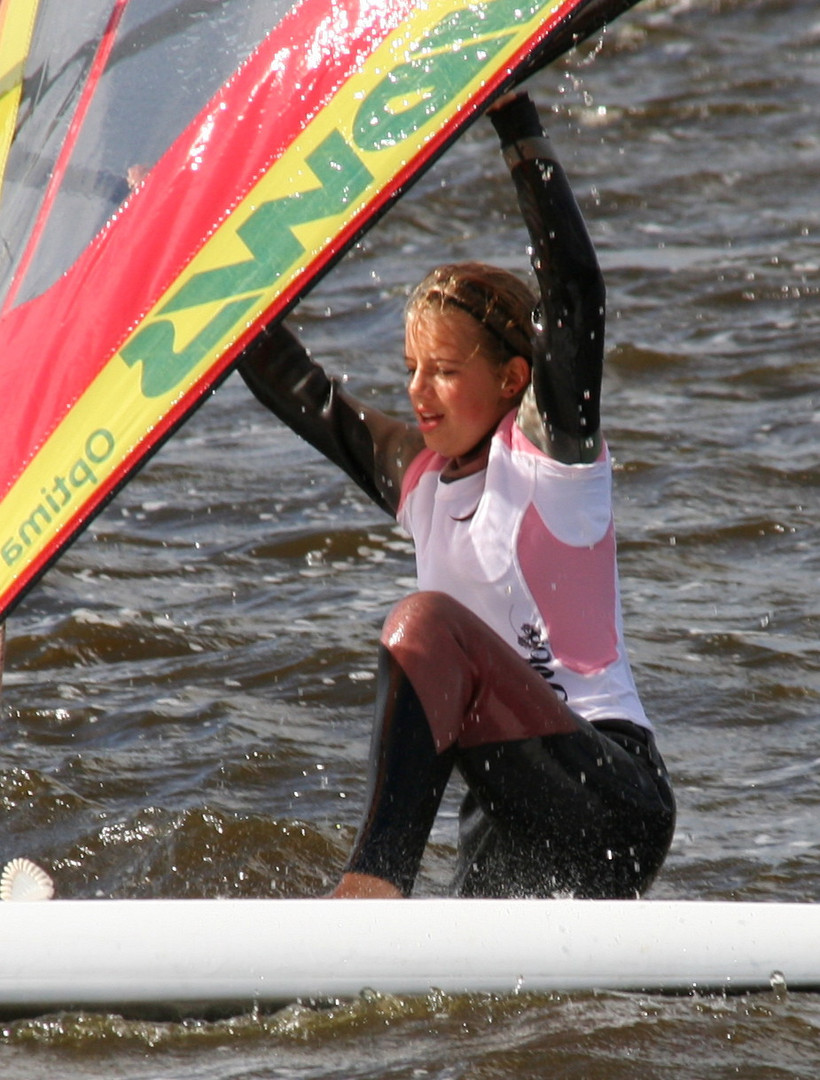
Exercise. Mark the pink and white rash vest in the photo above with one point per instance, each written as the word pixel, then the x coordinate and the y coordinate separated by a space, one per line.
pixel 528 545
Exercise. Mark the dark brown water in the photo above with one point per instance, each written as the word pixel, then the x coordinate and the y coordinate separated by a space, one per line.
pixel 187 700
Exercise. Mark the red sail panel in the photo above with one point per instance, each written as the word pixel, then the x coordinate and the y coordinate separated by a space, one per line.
pixel 336 110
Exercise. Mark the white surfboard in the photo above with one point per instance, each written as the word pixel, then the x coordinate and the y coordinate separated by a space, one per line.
pixel 198 957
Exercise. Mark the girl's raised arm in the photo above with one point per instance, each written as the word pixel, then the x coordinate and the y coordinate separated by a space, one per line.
pixel 569 344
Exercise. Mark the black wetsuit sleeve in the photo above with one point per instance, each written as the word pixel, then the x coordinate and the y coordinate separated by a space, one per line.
pixel 371 447
pixel 569 323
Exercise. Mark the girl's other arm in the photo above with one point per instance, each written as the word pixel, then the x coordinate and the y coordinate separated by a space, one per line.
pixel 371 447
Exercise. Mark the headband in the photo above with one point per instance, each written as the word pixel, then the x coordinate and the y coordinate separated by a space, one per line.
pixel 483 320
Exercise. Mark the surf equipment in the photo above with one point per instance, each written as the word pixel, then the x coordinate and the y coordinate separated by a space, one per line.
pixel 174 175
pixel 209 957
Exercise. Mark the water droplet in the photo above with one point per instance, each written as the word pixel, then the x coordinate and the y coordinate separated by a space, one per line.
pixel 777 981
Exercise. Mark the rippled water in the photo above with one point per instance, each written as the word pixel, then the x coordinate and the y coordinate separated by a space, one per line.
pixel 187 700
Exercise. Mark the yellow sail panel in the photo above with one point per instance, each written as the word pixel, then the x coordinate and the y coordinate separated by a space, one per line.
pixel 326 121
pixel 17 19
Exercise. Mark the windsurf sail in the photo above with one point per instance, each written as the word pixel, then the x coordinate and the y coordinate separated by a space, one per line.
pixel 174 175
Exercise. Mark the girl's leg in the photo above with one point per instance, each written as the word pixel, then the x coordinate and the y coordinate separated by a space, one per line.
pixel 406 780
pixel 542 780
pixel 588 814
pixel 474 688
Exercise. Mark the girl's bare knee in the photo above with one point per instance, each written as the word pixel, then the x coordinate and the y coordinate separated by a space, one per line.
pixel 423 613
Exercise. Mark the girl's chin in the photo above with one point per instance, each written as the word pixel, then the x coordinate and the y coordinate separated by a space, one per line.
pixel 434 441
pixel 458 454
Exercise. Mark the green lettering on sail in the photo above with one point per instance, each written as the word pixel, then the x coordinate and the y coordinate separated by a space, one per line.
pixel 446 60
pixel 98 448
pixel 162 366
pixel 268 235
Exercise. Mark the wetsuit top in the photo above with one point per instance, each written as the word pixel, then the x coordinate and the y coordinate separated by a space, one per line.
pixel 527 543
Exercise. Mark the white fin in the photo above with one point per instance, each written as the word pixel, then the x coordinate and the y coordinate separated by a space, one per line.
pixel 24 880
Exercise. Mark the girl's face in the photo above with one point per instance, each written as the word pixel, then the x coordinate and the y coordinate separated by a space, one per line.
pixel 457 393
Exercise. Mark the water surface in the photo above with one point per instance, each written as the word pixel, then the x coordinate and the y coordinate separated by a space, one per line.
pixel 188 693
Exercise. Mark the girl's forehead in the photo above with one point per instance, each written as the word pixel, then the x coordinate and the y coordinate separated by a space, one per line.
pixel 449 328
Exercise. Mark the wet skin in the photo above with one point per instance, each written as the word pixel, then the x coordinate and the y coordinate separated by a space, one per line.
pixel 458 394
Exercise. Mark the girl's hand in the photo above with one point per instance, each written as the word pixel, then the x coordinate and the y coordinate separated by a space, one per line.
pixel 505 99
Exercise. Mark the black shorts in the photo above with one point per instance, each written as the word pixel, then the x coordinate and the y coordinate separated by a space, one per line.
pixel 589 814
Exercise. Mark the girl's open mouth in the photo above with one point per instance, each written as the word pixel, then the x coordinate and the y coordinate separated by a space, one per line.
pixel 428 421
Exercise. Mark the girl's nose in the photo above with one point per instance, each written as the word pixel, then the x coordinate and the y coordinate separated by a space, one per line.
pixel 419 384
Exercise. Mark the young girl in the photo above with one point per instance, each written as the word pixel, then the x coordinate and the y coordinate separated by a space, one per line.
pixel 509 663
